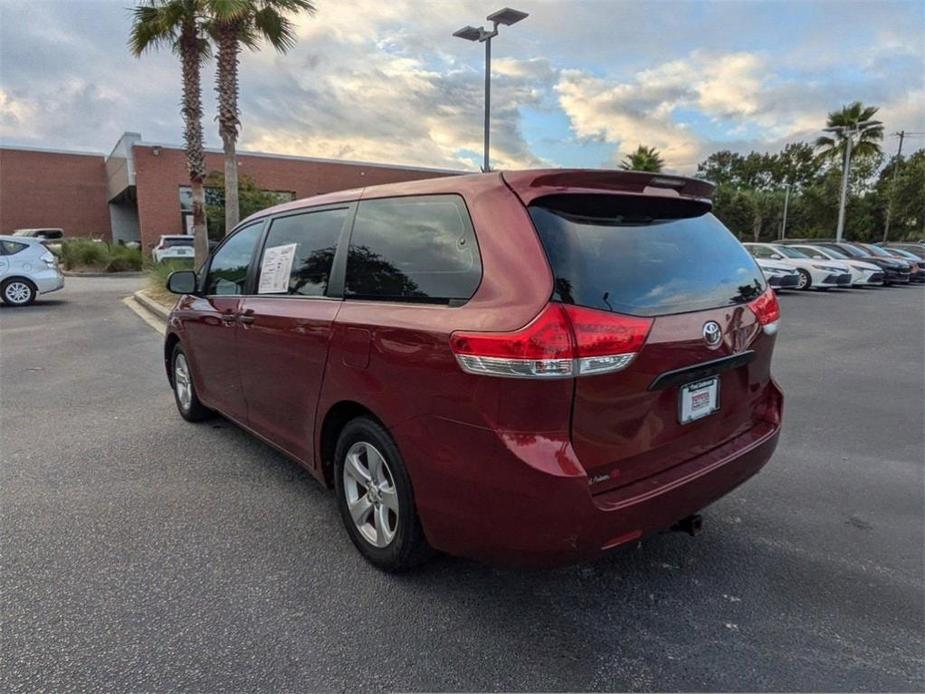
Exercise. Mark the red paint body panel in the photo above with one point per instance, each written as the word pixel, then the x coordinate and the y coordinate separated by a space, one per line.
pixel 511 471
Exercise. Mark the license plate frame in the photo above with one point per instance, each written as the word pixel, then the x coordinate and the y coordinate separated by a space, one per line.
pixel 698 399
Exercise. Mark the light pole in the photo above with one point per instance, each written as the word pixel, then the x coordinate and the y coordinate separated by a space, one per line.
pixel 506 16
pixel 783 222
pixel 847 132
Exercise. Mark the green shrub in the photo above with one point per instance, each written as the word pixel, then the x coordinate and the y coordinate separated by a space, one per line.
pixel 159 272
pixel 86 254
pixel 124 259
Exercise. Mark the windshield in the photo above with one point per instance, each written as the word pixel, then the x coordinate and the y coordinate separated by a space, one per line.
pixel 788 252
pixel 181 241
pixel 877 251
pixel 642 256
pixel 854 251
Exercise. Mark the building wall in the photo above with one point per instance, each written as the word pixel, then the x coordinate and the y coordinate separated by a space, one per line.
pixel 52 189
pixel 160 171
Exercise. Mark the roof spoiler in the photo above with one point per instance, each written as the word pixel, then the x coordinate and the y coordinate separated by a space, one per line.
pixel 530 185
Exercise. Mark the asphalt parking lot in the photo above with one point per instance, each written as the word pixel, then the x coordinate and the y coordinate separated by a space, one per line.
pixel 143 553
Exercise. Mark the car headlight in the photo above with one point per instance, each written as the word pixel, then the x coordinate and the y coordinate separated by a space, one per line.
pixel 824 268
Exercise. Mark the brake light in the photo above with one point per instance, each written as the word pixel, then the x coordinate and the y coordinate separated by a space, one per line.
pixel 767 311
pixel 562 341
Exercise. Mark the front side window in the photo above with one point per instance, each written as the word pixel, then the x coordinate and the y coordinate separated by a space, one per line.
pixel 419 248
pixel 642 256
pixel 228 269
pixel 299 252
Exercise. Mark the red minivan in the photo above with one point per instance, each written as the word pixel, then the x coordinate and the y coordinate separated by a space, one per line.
pixel 525 368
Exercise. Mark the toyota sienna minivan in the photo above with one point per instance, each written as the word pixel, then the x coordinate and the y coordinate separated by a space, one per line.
pixel 526 368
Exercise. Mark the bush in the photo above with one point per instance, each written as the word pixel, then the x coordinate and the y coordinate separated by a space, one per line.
pixel 159 272
pixel 124 259
pixel 86 254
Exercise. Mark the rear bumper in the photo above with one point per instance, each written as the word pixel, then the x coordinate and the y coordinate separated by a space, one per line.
pixel 522 499
pixel 48 281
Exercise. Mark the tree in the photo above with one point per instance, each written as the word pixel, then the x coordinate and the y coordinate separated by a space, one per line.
pixel 643 159
pixel 251 199
pixel 849 118
pixel 236 23
pixel 181 25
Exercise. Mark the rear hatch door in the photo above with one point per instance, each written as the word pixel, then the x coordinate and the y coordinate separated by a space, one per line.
pixel 670 260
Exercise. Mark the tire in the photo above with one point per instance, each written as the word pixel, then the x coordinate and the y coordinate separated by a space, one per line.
pixel 184 391
pixel 806 281
pixel 18 291
pixel 374 485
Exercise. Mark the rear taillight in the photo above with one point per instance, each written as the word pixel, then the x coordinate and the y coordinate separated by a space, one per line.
pixel 767 311
pixel 562 341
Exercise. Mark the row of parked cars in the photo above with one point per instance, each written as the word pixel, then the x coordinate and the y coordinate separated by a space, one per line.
pixel 822 264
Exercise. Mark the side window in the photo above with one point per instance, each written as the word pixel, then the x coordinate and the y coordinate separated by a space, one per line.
pixel 299 251
pixel 12 247
pixel 228 269
pixel 419 248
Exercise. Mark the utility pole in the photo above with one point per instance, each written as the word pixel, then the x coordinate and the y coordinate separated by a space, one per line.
pixel 783 223
pixel 889 204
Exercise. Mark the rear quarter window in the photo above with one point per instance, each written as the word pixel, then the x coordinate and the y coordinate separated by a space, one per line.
pixel 643 256
pixel 419 248
pixel 12 247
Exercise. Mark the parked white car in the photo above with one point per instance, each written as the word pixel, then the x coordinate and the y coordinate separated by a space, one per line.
pixel 27 269
pixel 171 247
pixel 862 274
pixel 819 274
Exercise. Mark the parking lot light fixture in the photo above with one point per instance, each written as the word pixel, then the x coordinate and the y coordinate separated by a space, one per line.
pixel 506 17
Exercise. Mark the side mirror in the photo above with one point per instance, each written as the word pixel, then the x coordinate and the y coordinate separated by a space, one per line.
pixel 182 282
pixel 775 256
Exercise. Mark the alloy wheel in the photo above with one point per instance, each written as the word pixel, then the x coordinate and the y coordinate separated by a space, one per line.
pixel 370 492
pixel 17 292
pixel 182 381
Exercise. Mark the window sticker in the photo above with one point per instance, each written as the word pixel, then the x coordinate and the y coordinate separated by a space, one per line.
pixel 276 268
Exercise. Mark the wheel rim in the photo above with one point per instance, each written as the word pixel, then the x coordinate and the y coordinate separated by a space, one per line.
pixel 18 292
pixel 369 489
pixel 182 382
pixel 804 280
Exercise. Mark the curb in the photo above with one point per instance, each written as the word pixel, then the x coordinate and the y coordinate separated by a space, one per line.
pixel 151 305
pixel 70 273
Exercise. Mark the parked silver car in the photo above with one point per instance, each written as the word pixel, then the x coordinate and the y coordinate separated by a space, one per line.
pixel 27 269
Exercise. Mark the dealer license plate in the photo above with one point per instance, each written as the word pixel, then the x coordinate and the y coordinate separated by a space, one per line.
pixel 698 399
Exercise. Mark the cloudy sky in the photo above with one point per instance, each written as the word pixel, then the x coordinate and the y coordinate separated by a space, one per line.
pixel 578 83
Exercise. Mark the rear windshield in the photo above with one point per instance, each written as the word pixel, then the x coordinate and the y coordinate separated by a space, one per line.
pixel 643 256
pixel 171 243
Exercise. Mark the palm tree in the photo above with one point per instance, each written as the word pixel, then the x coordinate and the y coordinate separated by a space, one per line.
pixel 853 120
pixel 235 23
pixel 180 24
pixel 643 159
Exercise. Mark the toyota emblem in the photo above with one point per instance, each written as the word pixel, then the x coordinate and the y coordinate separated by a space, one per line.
pixel 712 333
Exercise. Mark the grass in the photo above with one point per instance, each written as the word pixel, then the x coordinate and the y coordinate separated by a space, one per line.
pixel 99 256
pixel 157 279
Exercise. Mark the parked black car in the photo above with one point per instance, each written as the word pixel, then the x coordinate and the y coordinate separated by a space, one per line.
pixel 894 270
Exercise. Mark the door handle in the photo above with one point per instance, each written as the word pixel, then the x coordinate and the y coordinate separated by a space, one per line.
pixel 228 318
pixel 247 317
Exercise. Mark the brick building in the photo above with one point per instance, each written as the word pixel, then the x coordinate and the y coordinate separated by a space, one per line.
pixel 141 190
